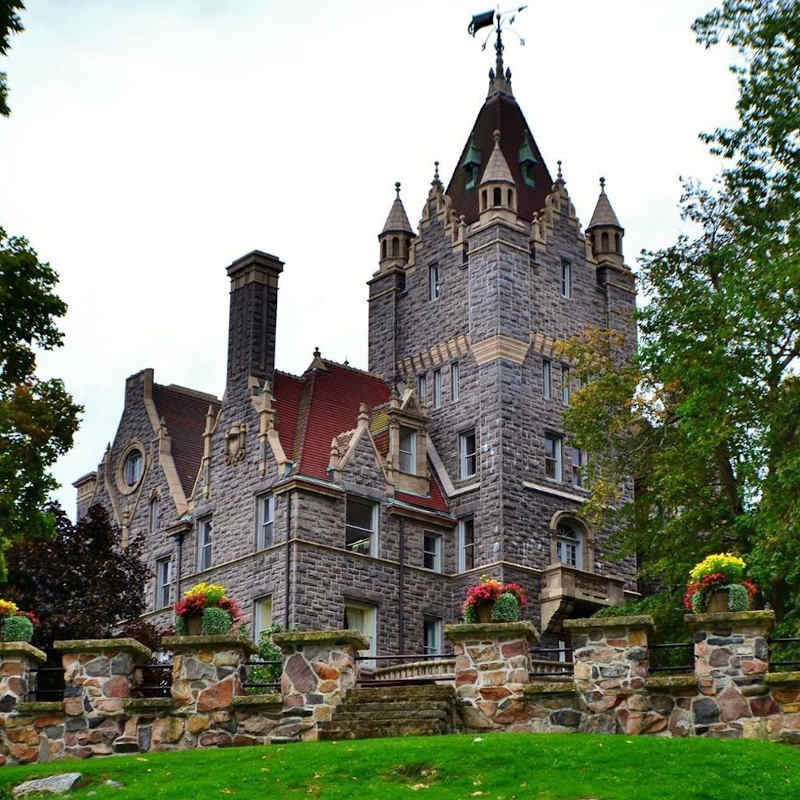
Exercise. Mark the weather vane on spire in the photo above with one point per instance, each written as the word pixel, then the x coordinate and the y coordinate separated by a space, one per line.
pixel 499 81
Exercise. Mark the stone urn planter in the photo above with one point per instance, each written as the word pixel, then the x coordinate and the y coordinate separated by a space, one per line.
pixel 206 610
pixel 484 611
pixel 493 601
pixel 718 601
pixel 194 625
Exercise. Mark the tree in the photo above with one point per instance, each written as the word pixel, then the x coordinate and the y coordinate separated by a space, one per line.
pixel 707 415
pixel 38 418
pixel 80 582
pixel 9 23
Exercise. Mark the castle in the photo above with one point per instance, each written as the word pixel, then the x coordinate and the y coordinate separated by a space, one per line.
pixel 343 498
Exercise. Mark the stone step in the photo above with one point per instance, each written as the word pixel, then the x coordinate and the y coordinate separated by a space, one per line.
pixel 400 693
pixel 371 707
pixel 358 715
pixel 332 730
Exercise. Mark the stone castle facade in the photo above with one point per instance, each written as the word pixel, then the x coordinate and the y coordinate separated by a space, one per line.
pixel 372 500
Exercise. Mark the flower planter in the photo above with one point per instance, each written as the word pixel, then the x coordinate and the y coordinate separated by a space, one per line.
pixel 484 612
pixel 194 625
pixel 718 601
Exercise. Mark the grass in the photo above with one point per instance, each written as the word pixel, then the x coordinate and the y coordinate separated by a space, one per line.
pixel 490 766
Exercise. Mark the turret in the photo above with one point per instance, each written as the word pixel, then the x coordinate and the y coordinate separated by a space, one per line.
pixel 497 190
pixel 395 238
pixel 605 232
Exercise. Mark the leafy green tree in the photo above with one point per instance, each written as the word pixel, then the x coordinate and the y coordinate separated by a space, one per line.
pixel 38 418
pixel 9 23
pixel 707 415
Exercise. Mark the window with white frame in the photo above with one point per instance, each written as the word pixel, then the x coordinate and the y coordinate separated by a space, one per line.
pixel 455 388
pixel 569 545
pixel 262 617
pixel 362 526
pixel 467 454
pixel 553 465
pixel 363 618
pixel 547 379
pixel 432 551
pixel 437 388
pixel 566 278
pixel 408 450
pixel 155 512
pixel 422 387
pixel 204 537
pixel 566 387
pixel 133 467
pixel 466 544
pixel 163 582
pixel 579 468
pixel 432 633
pixel 265 521
pixel 433 282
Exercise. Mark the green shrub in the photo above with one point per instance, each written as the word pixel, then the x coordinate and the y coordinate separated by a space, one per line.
pixel 180 625
pixel 738 599
pixel 215 620
pixel 267 651
pixel 470 615
pixel 506 608
pixel 17 629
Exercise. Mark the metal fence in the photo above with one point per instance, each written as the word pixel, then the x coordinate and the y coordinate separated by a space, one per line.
pixel 261 676
pixel 48 683
pixel 153 680
pixel 672 657
pixel 784 653
pixel 549 662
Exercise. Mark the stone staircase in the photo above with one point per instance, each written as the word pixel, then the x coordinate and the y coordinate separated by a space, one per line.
pixel 376 711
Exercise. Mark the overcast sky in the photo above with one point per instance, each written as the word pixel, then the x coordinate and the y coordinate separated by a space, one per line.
pixel 152 143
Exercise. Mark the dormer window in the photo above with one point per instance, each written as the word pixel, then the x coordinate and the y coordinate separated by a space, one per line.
pixel 408 450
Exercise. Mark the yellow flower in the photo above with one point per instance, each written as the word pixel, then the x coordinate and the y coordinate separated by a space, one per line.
pixel 7 608
pixel 213 592
pixel 731 566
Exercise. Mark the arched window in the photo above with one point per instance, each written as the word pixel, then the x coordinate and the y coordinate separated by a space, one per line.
pixel 132 468
pixel 498 197
pixel 395 247
pixel 383 249
pixel 155 511
pixel 510 198
pixel 604 242
pixel 483 200
pixel 569 544
pixel 617 243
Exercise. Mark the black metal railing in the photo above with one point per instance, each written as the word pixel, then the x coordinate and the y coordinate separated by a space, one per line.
pixel 784 653
pixel 153 680
pixel 48 683
pixel 261 676
pixel 672 657
pixel 551 661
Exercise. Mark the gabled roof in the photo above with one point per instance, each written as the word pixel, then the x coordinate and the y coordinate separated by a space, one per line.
pixel 501 112
pixel 184 413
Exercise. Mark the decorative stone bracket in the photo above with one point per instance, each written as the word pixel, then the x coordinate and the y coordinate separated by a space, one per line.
pixel 492 667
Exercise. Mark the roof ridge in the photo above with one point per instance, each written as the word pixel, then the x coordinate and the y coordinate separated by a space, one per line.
pixel 354 369
pixel 303 412
pixel 191 392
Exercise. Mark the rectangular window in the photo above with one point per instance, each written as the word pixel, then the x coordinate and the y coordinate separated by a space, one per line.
pixel 363 618
pixel 362 524
pixel 154 514
pixel 437 388
pixel 433 282
pixel 566 278
pixel 553 467
pixel 163 582
pixel 204 534
pixel 568 548
pixel 465 254
pixel 547 379
pixel 578 468
pixel 466 544
pixel 408 450
pixel 422 387
pixel 455 389
pixel 432 631
pixel 432 552
pixel 468 459
pixel 262 617
pixel 565 385
pixel 265 507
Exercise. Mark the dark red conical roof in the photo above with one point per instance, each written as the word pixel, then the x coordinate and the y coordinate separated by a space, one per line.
pixel 501 112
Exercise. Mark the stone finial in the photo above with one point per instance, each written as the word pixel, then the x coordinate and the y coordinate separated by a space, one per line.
pixel 363 414
pixel 436 179
pixel 560 175
pixel 603 185
pixel 317 353
pixel 397 188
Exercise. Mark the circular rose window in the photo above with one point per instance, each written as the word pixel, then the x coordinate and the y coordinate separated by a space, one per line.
pixel 132 468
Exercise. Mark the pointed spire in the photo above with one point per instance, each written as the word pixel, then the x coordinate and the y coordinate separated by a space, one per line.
pixel 436 180
pixel 603 212
pixel 499 79
pixel 497 166
pixel 560 175
pixel 397 221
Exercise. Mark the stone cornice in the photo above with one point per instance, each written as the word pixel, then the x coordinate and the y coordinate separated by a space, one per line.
pixel 500 346
pixel 355 639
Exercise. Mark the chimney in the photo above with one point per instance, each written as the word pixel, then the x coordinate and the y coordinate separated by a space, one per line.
pixel 253 312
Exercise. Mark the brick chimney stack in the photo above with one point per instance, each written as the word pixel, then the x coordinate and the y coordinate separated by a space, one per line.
pixel 253 313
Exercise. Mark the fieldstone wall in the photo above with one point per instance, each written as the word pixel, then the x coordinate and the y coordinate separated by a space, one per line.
pixel 319 669
pixel 492 668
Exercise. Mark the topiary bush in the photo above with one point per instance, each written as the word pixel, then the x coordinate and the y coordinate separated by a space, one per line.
pixel 506 608
pixel 738 598
pixel 17 629
pixel 215 621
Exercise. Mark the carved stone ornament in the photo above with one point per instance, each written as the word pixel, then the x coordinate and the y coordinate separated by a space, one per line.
pixel 234 443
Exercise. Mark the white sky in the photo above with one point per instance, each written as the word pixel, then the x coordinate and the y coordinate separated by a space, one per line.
pixel 152 143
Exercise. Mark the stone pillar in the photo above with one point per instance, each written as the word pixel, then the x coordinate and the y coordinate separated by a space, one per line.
pixel 492 668
pixel 319 667
pixel 98 676
pixel 731 663
pixel 611 667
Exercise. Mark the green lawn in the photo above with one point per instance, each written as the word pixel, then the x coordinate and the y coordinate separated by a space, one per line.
pixel 549 767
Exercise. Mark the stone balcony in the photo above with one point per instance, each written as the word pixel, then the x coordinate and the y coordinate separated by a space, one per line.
pixel 568 592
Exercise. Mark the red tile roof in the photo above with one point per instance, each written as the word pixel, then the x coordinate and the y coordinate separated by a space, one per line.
pixel 435 502
pixel 501 112
pixel 184 413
